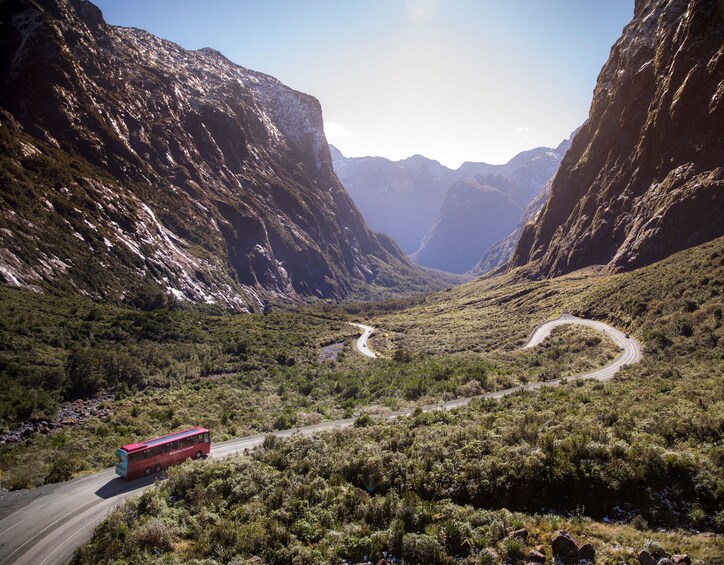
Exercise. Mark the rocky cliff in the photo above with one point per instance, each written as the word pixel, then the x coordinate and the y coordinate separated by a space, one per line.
pixel 644 177
pixel 130 164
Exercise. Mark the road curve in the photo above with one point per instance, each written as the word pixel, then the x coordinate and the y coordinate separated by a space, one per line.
pixel 49 528
pixel 362 346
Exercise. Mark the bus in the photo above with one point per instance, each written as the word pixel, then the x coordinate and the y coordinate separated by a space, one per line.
pixel 151 456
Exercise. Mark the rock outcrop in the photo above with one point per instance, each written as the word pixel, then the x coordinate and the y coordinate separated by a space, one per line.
pixel 644 177
pixel 565 548
pixel 129 164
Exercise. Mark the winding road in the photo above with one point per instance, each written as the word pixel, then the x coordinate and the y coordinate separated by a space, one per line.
pixel 49 526
pixel 362 346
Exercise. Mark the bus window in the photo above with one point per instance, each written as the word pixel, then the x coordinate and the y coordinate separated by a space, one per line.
pixel 147 459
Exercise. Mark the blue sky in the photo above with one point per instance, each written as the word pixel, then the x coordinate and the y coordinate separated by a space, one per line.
pixel 454 80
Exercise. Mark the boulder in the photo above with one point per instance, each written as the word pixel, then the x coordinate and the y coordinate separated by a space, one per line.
pixel 665 561
pixel 521 534
pixel 565 548
pixel 645 558
pixel 587 553
pixel 682 558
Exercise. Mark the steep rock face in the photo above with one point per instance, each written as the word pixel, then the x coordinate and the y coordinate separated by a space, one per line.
pixel 474 215
pixel 644 177
pixel 129 160
pixel 403 198
pixel 500 252
pixel 398 198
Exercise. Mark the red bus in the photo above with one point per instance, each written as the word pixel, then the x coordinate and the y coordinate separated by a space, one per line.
pixel 137 459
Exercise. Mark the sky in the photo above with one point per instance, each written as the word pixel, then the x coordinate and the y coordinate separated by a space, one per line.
pixel 454 80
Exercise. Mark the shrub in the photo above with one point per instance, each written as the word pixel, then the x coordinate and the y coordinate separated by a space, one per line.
pixel 363 421
pixel 421 548
pixel 154 536
pixel 402 355
pixel 513 549
pixel 62 468
pixel 640 523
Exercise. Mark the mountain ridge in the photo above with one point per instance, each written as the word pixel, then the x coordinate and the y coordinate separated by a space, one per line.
pixel 644 177
pixel 405 198
pixel 175 169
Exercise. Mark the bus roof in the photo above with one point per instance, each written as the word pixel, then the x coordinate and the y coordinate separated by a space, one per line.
pixel 161 440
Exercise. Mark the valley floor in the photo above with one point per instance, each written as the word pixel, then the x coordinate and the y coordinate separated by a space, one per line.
pixel 643 450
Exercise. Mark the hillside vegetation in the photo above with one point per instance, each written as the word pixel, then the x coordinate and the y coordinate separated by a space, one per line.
pixel 644 449
pixel 170 368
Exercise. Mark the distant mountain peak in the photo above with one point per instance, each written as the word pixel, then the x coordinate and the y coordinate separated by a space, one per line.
pixel 411 199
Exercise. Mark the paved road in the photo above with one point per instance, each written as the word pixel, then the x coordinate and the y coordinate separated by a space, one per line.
pixel 362 346
pixel 47 530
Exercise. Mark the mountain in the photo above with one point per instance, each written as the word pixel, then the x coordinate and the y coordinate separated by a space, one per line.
pixel 473 216
pixel 644 177
pixel 398 198
pixel 403 198
pixel 132 166
pixel 500 252
pixel 479 211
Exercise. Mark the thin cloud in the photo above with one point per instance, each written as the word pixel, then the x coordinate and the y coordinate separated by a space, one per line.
pixel 334 130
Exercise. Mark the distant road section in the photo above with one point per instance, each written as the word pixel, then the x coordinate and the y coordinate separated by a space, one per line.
pixel 48 528
pixel 630 349
pixel 362 346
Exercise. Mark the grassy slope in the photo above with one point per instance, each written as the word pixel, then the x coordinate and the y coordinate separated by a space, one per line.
pixel 429 487
pixel 236 375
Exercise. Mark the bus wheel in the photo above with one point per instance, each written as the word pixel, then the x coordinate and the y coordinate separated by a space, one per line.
pixel 158 468
pixel 148 471
pixel 198 455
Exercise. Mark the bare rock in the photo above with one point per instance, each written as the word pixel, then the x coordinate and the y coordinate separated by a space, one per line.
pixel 643 178
pixel 251 160
pixel 521 534
pixel 565 548
pixel 681 558
pixel 665 561
pixel 536 556
pixel 645 558
pixel 587 553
